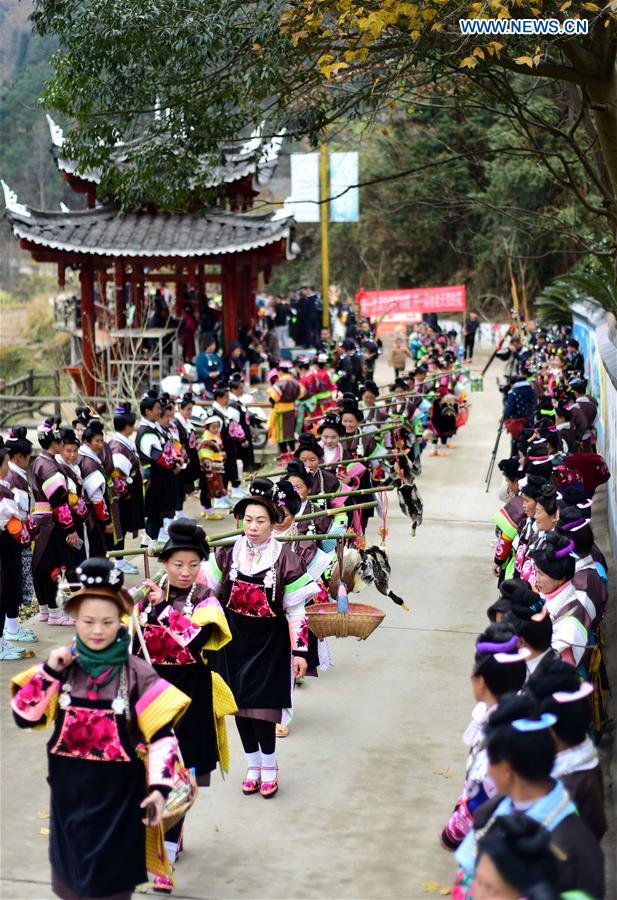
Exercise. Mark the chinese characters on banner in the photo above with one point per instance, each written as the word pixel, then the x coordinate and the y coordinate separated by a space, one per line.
pixel 397 305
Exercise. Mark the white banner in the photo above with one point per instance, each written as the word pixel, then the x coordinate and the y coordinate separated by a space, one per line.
pixel 304 187
pixel 344 172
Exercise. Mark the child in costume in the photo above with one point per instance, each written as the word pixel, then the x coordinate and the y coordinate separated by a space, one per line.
pixel 182 624
pixel 211 453
pixel 106 810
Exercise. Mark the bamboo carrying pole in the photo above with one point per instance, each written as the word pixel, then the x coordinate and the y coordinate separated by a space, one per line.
pixel 342 462
pixel 316 515
pixel 289 539
pixel 372 490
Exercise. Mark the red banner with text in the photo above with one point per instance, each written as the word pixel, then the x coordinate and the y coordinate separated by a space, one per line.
pixel 397 305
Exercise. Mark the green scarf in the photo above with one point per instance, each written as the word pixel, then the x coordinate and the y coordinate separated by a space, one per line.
pixel 103 665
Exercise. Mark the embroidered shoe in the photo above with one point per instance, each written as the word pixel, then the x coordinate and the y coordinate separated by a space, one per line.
pixel 22 634
pixel 163 884
pixel 433 452
pixel 251 786
pixel 269 788
pixel 43 616
pixel 62 619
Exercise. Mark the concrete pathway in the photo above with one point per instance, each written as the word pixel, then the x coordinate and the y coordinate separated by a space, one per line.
pixel 374 760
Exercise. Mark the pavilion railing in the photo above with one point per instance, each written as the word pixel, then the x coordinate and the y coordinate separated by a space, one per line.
pixel 20 399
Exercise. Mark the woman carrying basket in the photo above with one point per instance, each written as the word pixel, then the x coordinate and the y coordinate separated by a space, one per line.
pixel 263 586
pixel 182 623
pixel 106 810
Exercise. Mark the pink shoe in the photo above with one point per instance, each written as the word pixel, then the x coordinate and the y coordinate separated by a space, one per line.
pixel 162 884
pixel 251 786
pixel 43 616
pixel 269 788
pixel 62 619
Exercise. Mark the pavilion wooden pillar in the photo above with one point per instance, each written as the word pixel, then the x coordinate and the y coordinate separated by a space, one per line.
pixel 137 293
pixel 245 300
pixel 119 293
pixel 86 277
pixel 178 306
pixel 230 301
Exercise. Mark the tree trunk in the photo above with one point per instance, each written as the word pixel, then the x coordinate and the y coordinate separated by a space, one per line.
pixel 602 94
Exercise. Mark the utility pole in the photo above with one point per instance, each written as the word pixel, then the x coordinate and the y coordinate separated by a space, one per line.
pixel 324 193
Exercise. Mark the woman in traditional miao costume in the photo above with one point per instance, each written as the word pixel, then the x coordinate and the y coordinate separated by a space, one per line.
pixel 571 611
pixel 128 480
pixel 19 451
pixel 375 416
pixel 318 559
pixel 188 440
pixel 263 586
pixel 546 516
pixel 107 800
pixel 530 487
pixel 360 446
pixel 99 523
pixel 182 625
pixel 310 453
pixel 13 536
pixel 67 464
pixel 58 533
pixel 499 669
pixel 508 518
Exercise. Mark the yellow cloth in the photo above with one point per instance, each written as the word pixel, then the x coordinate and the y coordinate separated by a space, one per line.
pixel 166 709
pixel 223 704
pixel 212 614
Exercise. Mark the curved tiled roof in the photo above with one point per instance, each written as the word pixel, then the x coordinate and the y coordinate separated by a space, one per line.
pixel 105 231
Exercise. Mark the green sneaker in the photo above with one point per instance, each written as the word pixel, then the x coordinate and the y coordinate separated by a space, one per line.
pixel 9 653
pixel 24 635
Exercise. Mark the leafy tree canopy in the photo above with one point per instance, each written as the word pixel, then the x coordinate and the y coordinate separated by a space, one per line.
pixel 177 81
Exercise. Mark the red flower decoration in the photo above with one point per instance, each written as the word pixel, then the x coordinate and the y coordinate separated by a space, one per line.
pixel 31 693
pixel 177 622
pixel 103 732
pixel 77 734
pixel 249 600
pixel 302 635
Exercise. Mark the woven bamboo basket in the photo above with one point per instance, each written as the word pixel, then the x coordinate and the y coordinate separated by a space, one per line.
pixel 360 621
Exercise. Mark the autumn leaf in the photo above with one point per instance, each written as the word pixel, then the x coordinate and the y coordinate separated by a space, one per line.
pixel 333 68
pixel 429 886
pixel 524 61
pixel 565 5
pixel 478 51
pixel 470 62
pixel 42 815
pixel 44 831
pixel 592 7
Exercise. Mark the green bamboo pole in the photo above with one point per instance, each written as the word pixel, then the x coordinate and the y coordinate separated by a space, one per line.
pixel 309 516
pixel 373 490
pixel 140 592
pixel 289 539
pixel 336 512
pixel 343 462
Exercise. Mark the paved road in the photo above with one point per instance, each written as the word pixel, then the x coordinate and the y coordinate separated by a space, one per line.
pixel 374 759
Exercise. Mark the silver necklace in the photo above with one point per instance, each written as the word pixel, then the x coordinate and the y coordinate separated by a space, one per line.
pixel 187 610
pixel 120 703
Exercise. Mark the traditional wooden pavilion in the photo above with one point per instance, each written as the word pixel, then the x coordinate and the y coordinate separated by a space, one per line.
pixel 229 245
